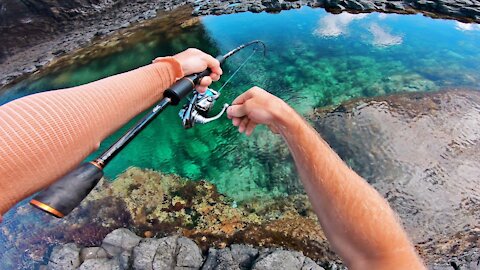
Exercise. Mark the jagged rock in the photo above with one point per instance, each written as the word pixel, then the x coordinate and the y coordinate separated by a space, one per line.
pixel 120 240
pixel 189 255
pixel 65 257
pixel 144 253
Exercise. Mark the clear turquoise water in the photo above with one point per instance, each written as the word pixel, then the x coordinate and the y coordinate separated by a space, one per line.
pixel 314 59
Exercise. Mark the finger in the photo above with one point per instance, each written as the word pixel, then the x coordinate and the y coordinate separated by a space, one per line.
pixel 215 77
pixel 236 121
pixel 250 127
pixel 243 97
pixel 218 70
pixel 237 111
pixel 213 64
pixel 201 89
pixel 205 81
pixel 243 124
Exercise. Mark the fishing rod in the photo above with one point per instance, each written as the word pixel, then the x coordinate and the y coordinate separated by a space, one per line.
pixel 60 198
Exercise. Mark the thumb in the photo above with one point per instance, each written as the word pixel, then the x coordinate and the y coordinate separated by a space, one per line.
pixel 237 111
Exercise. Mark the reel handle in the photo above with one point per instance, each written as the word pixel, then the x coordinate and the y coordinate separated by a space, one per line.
pixel 185 85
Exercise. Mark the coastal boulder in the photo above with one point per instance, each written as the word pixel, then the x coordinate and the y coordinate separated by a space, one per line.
pixel 120 240
pixel 64 257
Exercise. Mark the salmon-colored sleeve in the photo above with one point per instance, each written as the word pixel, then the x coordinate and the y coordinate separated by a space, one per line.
pixel 43 136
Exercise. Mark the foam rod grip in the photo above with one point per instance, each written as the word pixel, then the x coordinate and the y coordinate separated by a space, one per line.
pixel 67 193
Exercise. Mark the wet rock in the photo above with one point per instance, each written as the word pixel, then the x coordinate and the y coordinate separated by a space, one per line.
pixel 64 257
pixel 120 240
pixel 92 253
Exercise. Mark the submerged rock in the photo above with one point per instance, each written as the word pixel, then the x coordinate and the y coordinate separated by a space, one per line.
pixel 421 151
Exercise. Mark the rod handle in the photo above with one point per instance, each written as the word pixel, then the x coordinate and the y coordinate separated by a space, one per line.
pixel 63 196
pixel 185 85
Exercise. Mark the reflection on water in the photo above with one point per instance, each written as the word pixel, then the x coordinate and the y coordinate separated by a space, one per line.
pixel 467 26
pixel 335 25
pixel 314 59
pixel 382 38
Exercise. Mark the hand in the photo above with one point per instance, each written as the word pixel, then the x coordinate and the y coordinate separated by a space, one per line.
pixel 256 106
pixel 194 61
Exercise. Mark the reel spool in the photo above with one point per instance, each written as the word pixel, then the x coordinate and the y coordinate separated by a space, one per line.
pixel 197 109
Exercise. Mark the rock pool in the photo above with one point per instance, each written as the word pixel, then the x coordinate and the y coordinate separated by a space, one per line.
pixel 314 59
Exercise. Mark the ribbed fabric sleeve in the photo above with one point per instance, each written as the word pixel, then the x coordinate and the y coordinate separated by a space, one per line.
pixel 43 136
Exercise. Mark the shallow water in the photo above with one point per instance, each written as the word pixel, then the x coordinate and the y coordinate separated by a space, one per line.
pixel 314 59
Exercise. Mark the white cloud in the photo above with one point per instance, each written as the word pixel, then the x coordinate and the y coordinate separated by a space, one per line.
pixel 335 25
pixel 382 38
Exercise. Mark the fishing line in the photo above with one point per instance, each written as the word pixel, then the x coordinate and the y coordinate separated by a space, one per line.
pixel 237 70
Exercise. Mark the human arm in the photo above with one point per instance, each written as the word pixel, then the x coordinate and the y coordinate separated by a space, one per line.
pixel 43 136
pixel 357 221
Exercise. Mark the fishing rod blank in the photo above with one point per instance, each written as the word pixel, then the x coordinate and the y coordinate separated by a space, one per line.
pixel 64 195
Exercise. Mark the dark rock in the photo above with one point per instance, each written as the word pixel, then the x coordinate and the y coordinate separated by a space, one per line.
pixel 244 255
pixel 65 257
pixel 120 240
pixel 58 52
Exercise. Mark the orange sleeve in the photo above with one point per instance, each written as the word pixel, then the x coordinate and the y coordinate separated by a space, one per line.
pixel 43 136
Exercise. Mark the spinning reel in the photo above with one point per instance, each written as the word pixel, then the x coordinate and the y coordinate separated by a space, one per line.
pixel 197 109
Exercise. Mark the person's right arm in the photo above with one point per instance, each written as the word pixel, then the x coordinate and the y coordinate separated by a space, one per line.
pixel 357 221
pixel 43 136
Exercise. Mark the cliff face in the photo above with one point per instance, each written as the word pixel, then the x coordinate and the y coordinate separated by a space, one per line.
pixel 27 22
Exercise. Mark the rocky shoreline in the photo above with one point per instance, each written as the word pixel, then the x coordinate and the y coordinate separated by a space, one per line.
pixel 47 30
pixel 122 249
